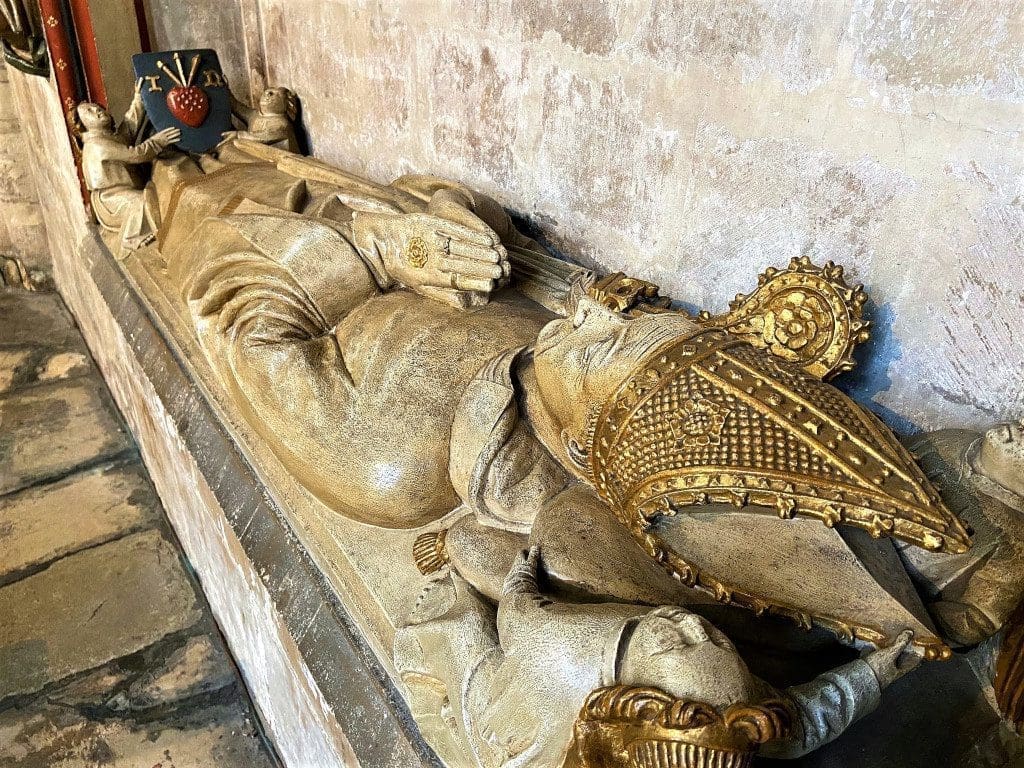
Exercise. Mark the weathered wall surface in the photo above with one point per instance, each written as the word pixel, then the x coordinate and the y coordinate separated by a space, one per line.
pixel 52 163
pixel 204 24
pixel 695 142
pixel 22 232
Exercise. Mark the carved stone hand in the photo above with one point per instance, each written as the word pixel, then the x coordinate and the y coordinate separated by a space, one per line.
pixel 892 662
pixel 166 137
pixel 430 253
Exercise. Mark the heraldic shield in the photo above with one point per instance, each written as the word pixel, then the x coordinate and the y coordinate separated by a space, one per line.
pixel 186 90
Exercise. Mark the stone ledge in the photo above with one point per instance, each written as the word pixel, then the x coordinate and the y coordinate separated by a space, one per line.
pixel 324 696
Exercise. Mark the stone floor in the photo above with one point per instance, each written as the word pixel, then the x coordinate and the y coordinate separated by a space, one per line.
pixel 109 655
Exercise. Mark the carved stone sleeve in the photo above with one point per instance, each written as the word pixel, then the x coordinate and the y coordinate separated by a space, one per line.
pixel 826 707
pixel 265 317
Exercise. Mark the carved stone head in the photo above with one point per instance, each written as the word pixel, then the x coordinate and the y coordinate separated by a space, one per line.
pixel 688 657
pixel 94 117
pixel 581 360
pixel 647 403
pixel 1001 456
pixel 278 101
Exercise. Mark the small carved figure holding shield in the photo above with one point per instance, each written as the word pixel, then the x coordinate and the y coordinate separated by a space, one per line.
pixel 110 167
pixel 271 121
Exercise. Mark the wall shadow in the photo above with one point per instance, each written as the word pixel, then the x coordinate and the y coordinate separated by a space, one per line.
pixel 874 359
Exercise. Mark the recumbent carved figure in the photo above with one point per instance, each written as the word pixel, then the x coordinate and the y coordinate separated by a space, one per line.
pixel 410 356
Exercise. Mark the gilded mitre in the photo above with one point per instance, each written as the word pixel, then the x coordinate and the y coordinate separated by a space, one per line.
pixel 709 418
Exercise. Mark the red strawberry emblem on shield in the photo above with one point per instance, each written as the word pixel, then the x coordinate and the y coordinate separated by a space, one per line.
pixel 189 104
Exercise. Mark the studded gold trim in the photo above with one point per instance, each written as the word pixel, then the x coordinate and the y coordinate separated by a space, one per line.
pixel 709 419
pixel 803 314
pixel 838 463
pixel 932 647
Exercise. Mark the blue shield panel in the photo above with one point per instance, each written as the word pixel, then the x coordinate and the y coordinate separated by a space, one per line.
pixel 186 90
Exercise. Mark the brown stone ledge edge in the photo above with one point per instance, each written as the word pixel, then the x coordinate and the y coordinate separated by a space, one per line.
pixel 295 644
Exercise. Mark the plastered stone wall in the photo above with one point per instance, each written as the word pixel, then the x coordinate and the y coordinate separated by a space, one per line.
pixel 695 142
pixel 22 232
pixel 219 24
pixel 51 163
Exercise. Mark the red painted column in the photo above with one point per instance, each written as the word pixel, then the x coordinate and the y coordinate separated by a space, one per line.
pixel 62 58
pixel 65 62
pixel 86 39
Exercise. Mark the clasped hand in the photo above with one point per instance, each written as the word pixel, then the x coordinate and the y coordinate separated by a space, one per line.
pixel 447 253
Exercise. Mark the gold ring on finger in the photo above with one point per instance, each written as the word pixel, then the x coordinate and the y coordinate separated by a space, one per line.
pixel 416 252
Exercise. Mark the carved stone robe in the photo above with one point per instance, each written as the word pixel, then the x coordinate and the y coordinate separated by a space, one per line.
pixel 508 698
pixel 354 388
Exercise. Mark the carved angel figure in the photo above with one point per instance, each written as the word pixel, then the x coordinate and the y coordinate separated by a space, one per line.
pixel 271 121
pixel 110 167
pixel 509 689
pixel 370 334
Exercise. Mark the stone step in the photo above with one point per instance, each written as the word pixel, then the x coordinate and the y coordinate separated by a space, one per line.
pixel 41 524
pixel 50 430
pixel 91 607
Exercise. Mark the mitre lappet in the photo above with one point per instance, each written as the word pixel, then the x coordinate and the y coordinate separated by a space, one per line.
pixel 710 420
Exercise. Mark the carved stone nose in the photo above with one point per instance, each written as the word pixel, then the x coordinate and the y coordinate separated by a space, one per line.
pixel 693 628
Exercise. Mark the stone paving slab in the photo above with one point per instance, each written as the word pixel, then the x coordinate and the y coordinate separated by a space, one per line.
pixel 108 653
pixel 38 341
pixel 199 667
pixel 216 736
pixel 182 671
pixel 50 430
pixel 37 320
pixel 89 608
pixel 24 366
pixel 41 524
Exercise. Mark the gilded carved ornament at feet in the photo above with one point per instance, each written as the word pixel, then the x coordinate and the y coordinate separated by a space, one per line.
pixel 640 727
pixel 659 446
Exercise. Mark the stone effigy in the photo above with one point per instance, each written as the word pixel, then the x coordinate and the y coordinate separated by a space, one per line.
pixel 607 468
